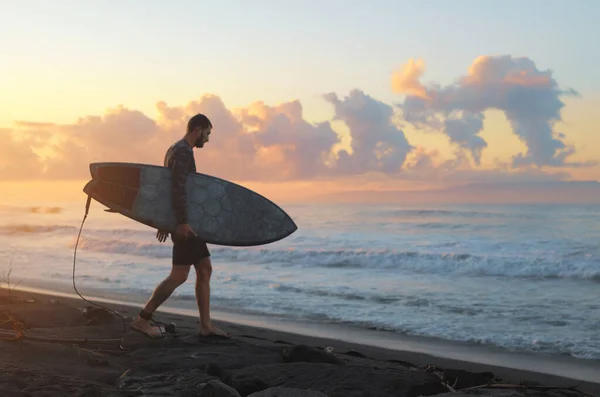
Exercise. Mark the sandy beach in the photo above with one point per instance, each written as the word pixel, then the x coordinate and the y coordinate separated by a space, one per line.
pixel 60 346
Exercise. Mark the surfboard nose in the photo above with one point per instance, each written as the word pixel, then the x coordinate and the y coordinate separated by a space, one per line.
pixel 292 226
pixel 287 227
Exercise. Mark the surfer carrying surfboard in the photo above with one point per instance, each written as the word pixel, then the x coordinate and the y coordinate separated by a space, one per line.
pixel 188 249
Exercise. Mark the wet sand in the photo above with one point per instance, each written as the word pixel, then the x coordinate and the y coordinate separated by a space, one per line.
pixel 54 345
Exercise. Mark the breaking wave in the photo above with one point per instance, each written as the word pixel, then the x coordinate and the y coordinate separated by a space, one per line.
pixel 575 265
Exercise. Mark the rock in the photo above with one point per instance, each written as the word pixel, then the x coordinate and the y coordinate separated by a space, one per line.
pixel 303 353
pixel 337 380
pixel 175 383
pixel 215 370
pixel 354 353
pixel 247 384
pixel 216 388
pixel 287 392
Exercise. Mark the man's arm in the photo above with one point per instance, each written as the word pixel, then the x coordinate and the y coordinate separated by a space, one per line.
pixel 181 165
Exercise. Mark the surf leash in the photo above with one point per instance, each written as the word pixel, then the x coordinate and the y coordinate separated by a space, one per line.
pixel 122 318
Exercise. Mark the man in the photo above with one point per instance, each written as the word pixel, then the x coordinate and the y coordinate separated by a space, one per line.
pixel 188 249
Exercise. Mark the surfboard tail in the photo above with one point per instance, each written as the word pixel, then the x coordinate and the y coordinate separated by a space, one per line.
pixel 94 167
pixel 89 187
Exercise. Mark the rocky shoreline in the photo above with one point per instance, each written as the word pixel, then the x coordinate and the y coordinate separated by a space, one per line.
pixel 54 346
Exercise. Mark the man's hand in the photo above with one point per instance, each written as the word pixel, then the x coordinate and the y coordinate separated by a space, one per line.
pixel 184 231
pixel 162 236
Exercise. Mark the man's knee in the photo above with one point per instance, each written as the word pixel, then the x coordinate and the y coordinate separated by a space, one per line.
pixel 204 269
pixel 179 273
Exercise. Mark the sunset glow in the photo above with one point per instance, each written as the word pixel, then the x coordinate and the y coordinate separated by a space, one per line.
pixel 420 119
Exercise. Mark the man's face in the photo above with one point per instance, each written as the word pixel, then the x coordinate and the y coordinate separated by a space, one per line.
pixel 202 137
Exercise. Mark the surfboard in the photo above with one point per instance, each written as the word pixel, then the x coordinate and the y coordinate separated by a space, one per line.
pixel 219 211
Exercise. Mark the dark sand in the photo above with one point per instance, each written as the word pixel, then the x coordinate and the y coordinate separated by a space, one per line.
pixel 52 346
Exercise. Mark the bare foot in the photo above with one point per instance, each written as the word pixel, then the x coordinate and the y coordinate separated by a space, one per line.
pixel 211 330
pixel 144 326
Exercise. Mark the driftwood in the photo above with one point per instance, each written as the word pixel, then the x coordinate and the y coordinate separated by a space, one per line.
pixel 452 388
pixel 432 369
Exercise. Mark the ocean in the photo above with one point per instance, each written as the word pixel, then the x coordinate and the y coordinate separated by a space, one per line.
pixel 524 278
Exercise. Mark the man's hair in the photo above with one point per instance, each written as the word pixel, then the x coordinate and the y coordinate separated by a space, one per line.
pixel 198 120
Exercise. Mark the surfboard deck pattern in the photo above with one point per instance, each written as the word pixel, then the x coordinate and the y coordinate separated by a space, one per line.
pixel 219 211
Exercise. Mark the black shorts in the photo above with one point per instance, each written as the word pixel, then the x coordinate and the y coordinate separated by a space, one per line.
pixel 189 251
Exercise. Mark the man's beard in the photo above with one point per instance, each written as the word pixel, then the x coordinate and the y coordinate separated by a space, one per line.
pixel 199 142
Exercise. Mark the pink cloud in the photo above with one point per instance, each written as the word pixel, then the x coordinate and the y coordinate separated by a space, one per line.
pixel 529 97
pixel 275 143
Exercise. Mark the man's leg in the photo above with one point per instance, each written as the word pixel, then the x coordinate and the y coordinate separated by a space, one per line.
pixel 203 274
pixel 178 276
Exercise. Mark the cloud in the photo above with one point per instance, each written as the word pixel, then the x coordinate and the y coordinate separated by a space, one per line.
pixel 377 145
pixel 529 97
pixel 259 142
pixel 463 131
pixel 120 134
pixel 427 165
pixel 275 143
pixel 406 80
pixel 18 161
pixel 306 147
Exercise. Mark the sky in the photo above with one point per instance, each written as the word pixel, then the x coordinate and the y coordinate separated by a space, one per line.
pixel 303 96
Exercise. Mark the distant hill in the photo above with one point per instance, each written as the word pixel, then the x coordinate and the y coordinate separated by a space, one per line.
pixel 505 192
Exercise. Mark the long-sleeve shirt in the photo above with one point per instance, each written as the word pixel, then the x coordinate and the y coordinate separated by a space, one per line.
pixel 180 159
